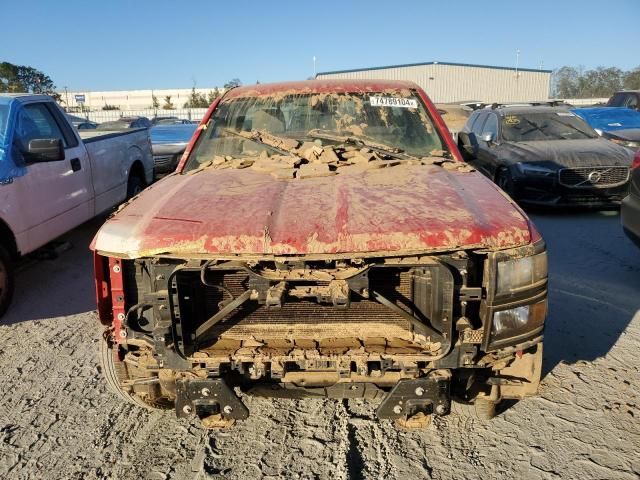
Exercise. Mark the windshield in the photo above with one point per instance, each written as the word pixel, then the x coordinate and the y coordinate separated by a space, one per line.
pixel 611 118
pixel 558 125
pixel 172 133
pixel 396 123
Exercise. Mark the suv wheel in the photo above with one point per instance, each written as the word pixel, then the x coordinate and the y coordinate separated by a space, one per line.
pixel 7 280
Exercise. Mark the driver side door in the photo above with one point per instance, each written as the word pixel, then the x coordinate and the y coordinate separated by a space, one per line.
pixel 55 195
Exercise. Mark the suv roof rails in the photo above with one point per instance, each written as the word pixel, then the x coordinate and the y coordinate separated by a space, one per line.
pixel 537 103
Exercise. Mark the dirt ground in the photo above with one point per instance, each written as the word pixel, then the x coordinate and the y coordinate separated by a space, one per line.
pixel 58 420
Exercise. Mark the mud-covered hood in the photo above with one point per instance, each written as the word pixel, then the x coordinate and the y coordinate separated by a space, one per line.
pixel 399 210
pixel 566 153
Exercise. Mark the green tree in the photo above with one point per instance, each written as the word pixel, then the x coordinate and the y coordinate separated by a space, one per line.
pixel 565 82
pixel 155 104
pixel 631 79
pixel 600 82
pixel 167 103
pixel 196 100
pixel 21 78
pixel 572 82
pixel 213 95
pixel 235 82
pixel 9 79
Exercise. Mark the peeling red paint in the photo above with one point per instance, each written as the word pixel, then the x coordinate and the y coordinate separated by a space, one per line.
pixel 400 209
pixel 405 208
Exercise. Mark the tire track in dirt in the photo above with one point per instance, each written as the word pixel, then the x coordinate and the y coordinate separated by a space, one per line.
pixel 58 420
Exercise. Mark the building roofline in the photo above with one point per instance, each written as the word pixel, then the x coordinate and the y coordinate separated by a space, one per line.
pixel 433 63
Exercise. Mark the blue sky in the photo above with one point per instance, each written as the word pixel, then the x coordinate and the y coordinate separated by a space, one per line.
pixel 105 45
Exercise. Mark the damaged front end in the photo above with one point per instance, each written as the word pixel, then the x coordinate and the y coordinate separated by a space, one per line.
pixel 412 332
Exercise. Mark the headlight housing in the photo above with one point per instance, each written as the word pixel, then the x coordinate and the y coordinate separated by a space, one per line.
pixel 533 169
pixel 509 273
pixel 626 143
pixel 516 302
pixel 517 274
pixel 511 324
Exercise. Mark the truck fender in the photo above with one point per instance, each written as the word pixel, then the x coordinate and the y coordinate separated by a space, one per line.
pixel 8 239
pixel 136 154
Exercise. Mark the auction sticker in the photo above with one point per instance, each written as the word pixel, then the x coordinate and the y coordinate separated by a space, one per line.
pixel 393 102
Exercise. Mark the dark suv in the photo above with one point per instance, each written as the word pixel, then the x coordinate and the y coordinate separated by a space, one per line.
pixel 625 98
pixel 545 155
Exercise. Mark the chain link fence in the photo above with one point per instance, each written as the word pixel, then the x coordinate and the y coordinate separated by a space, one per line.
pixel 110 115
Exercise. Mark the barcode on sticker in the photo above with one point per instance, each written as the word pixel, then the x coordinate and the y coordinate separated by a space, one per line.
pixel 393 102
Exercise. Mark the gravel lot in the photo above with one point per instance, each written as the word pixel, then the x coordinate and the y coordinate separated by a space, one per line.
pixel 58 420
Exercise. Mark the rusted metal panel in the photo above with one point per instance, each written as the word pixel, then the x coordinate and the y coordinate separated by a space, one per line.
pixel 117 298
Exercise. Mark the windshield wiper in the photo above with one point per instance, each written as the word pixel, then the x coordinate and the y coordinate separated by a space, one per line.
pixel 573 128
pixel 351 140
pixel 283 145
pixel 540 129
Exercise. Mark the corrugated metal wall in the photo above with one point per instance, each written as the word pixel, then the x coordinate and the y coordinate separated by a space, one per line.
pixel 452 83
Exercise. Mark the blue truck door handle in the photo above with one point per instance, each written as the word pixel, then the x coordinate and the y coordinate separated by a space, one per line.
pixel 75 164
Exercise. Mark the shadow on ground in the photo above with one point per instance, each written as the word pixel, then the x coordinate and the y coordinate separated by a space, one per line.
pixel 594 277
pixel 61 286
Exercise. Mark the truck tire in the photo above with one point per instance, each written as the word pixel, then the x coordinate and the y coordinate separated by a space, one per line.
pixel 115 372
pixel 7 280
pixel 481 409
pixel 135 185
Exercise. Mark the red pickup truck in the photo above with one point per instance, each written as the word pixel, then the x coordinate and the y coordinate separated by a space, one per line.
pixel 322 238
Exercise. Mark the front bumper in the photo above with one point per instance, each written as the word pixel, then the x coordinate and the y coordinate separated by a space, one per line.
pixel 166 163
pixel 539 190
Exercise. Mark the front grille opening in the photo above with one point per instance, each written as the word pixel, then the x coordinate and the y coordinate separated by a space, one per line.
pixel 593 177
pixel 300 322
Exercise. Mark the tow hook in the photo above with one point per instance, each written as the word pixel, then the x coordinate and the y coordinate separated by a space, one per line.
pixel 211 400
pixel 426 395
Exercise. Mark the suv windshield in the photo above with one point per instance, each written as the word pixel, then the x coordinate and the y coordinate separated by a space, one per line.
pixel 558 125
pixel 396 122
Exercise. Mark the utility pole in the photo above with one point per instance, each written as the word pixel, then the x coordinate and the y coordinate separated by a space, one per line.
pixel 66 95
pixel 314 66
pixel 517 61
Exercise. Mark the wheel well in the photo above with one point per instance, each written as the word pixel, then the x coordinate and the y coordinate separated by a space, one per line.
pixel 137 170
pixel 8 240
pixel 499 168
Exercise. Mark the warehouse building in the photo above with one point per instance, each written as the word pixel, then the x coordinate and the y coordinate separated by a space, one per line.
pixel 129 99
pixel 454 82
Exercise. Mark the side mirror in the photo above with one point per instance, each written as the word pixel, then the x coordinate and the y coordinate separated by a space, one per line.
pixel 487 137
pixel 44 150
